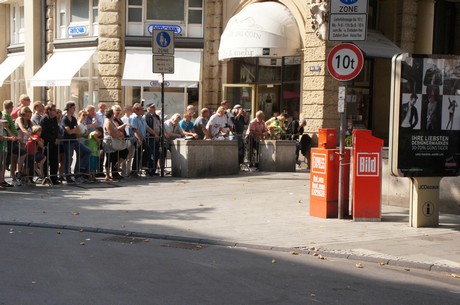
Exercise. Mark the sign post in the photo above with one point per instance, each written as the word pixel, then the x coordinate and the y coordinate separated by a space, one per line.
pixel 162 62
pixel 348 20
pixel 344 63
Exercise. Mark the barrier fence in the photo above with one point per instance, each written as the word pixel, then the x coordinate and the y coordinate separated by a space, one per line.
pixel 76 161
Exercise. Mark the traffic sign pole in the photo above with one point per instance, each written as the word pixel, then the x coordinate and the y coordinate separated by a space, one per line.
pixel 344 62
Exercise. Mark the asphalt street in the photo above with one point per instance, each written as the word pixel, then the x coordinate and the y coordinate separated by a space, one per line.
pixel 54 266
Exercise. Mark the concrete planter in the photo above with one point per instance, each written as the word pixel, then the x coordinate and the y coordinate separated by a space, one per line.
pixel 199 158
pixel 277 156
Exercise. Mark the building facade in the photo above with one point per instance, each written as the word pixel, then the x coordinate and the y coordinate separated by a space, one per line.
pixel 92 51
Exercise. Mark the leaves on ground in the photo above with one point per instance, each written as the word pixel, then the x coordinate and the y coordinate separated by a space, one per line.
pixel 74 213
pixel 359 265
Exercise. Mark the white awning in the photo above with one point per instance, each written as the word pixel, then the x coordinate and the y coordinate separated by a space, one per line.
pixel 261 29
pixel 139 66
pixel 61 67
pixel 11 63
pixel 378 46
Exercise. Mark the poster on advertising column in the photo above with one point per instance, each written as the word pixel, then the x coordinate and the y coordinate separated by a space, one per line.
pixel 426 117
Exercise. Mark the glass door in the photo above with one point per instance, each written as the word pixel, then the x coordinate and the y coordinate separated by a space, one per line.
pixel 242 95
pixel 268 99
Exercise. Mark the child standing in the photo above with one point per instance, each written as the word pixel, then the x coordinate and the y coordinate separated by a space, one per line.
pixel 94 143
pixel 35 156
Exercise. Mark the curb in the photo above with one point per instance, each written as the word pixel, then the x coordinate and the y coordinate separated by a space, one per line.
pixel 391 261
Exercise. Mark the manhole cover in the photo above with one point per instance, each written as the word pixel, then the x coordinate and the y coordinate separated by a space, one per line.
pixel 98 185
pixel 124 239
pixel 182 245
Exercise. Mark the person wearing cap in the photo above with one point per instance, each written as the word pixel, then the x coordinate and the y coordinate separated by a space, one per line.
pixel 154 129
pixel 409 113
pixel 239 119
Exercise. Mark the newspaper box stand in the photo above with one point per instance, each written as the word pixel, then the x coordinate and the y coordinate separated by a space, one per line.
pixel 367 176
pixel 324 182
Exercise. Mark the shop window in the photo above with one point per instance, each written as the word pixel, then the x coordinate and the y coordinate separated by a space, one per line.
pixel 184 17
pixel 77 18
pixel 176 99
pixel 83 90
pixel 17 33
pixel 269 70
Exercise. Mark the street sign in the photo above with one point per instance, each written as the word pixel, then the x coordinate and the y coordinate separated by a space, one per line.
pixel 162 42
pixel 345 61
pixel 348 20
pixel 163 64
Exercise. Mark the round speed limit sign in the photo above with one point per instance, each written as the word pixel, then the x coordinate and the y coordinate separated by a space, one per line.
pixel 345 61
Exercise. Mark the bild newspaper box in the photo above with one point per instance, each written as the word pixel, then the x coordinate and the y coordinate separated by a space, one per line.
pixel 324 182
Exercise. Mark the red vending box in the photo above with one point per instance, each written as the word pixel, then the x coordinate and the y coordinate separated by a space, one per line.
pixel 324 182
pixel 367 176
pixel 327 138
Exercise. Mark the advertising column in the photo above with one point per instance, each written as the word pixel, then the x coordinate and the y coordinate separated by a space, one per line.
pixel 425 131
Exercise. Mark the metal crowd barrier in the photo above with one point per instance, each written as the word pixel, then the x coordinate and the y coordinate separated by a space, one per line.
pixel 73 163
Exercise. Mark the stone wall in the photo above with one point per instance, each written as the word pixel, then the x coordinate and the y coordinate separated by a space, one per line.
pixel 110 50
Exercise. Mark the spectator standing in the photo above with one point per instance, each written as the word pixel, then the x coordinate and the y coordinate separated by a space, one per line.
pixel 39 112
pixel 13 145
pixel 71 146
pixel 200 124
pixel 154 123
pixel 91 122
pixel 5 137
pixel 139 136
pixel 240 119
pixel 217 124
pixel 187 127
pixel 257 131
pixel 23 125
pixel 24 101
pixel 50 135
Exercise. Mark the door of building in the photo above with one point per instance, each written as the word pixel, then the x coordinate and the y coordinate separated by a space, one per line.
pixel 268 99
pixel 241 94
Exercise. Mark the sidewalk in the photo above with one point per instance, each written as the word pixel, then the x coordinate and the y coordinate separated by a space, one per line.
pixel 268 210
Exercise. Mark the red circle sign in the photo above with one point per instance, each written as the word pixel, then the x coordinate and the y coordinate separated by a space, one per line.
pixel 345 61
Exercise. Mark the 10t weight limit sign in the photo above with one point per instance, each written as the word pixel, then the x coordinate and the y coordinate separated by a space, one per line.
pixel 345 61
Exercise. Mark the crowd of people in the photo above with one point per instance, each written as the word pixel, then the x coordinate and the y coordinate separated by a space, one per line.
pixel 41 141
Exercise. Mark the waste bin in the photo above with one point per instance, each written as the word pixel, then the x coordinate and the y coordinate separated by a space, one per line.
pixel 367 176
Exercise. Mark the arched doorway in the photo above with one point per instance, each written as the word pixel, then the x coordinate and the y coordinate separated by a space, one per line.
pixel 263 59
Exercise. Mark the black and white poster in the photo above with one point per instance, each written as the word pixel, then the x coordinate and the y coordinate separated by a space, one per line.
pixel 429 117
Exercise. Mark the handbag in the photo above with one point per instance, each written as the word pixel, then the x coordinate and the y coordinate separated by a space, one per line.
pixel 111 145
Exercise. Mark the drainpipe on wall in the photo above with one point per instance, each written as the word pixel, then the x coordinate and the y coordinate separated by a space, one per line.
pixel 43 44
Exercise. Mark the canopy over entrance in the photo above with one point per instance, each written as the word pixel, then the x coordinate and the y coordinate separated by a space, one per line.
pixel 263 29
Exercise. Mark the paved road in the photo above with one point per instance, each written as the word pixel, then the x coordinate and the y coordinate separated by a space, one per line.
pixel 53 266
pixel 257 209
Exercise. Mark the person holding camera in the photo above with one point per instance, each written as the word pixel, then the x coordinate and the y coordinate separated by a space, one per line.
pixel 239 119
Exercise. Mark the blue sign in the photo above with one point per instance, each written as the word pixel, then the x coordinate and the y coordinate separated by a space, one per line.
pixel 348 2
pixel 163 39
pixel 77 30
pixel 177 29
